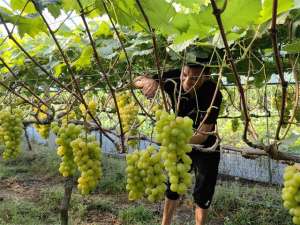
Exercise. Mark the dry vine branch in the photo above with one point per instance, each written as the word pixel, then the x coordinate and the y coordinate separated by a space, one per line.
pixel 97 58
pixel 284 84
pixel 152 32
pixel 128 61
pixel 217 12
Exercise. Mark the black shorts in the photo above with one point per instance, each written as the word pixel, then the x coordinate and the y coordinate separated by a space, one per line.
pixel 205 166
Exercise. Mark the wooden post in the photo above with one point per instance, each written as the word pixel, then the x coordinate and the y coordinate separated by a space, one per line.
pixel 27 139
pixel 65 202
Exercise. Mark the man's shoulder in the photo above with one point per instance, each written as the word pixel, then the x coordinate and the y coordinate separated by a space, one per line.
pixel 172 73
pixel 210 84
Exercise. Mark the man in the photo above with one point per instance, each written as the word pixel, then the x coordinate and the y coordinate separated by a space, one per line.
pixel 191 93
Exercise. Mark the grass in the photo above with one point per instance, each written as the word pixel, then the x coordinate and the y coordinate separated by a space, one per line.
pixel 113 180
pixel 238 204
pixel 40 161
pixel 137 215
pixel 30 203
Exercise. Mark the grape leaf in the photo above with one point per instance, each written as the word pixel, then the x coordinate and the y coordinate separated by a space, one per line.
pixel 266 12
pixel 19 5
pixel 85 58
pixel 240 13
pixel 293 47
pixel 30 26
pixel 54 10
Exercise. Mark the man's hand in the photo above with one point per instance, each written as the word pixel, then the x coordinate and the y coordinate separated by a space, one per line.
pixel 148 85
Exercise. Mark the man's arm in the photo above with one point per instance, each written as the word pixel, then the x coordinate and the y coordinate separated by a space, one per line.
pixel 150 85
pixel 201 135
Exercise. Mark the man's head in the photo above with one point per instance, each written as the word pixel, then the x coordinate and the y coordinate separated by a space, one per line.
pixel 193 75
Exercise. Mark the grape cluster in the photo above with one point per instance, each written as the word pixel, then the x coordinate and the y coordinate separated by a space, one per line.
pixel 88 160
pixel 135 184
pixel 145 175
pixel 174 135
pixel 70 115
pixel 92 106
pixel 291 192
pixel 42 129
pixel 66 134
pixel 11 131
pixel 128 112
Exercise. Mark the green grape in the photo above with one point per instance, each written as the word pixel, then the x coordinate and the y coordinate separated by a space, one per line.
pixel 92 106
pixel 87 156
pixel 291 192
pixel 42 129
pixel 174 135
pixel 154 177
pixel 65 136
pixel 11 131
pixel 145 175
pixel 128 111
pixel 135 184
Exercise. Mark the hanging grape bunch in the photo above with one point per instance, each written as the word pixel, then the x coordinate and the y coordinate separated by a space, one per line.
pixel 174 135
pixel 87 156
pixel 42 129
pixel 128 112
pixel 11 131
pixel 291 192
pixel 92 106
pixel 65 136
pixel 145 175
pixel 135 183
pixel 66 118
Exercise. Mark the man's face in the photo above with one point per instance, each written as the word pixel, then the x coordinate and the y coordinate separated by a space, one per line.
pixel 191 78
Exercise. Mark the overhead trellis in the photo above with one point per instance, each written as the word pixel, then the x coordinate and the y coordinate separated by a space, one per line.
pixel 251 38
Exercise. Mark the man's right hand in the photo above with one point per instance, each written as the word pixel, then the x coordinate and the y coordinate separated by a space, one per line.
pixel 148 85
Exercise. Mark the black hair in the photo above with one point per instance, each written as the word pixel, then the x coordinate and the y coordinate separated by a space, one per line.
pixel 200 62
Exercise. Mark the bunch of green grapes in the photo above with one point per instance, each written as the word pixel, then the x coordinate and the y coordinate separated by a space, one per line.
pixel 92 106
pixel 152 169
pixel 234 124
pixel 135 183
pixel 145 175
pixel 42 129
pixel 69 116
pixel 174 135
pixel 87 156
pixel 128 111
pixel 291 192
pixel 66 134
pixel 11 131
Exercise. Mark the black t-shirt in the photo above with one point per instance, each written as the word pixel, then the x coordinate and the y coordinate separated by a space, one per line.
pixel 195 106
